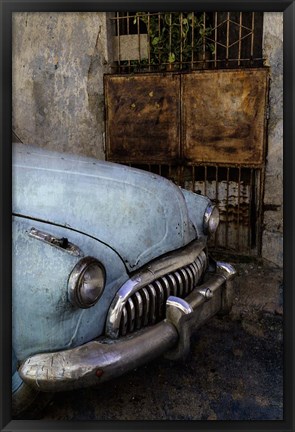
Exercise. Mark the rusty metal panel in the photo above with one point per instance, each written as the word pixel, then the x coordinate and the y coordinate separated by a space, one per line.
pixel 224 115
pixel 142 117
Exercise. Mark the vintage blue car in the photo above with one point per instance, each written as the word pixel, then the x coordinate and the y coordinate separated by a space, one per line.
pixel 110 270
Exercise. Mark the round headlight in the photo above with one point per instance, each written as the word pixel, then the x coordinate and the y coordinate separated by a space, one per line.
pixel 211 219
pixel 86 282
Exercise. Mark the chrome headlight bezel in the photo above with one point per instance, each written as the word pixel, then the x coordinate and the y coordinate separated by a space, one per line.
pixel 211 219
pixel 78 293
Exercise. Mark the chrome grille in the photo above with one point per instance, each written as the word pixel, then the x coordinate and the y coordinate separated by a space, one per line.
pixel 147 305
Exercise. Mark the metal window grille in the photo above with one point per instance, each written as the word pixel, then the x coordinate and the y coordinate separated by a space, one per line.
pixel 187 40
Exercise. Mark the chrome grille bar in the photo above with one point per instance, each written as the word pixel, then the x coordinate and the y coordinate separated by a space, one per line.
pixel 146 306
pixel 160 295
pixel 139 310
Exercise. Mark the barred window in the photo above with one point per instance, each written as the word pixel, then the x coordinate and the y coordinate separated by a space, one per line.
pixel 161 41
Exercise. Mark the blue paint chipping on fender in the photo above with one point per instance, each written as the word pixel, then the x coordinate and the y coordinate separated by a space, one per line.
pixel 139 214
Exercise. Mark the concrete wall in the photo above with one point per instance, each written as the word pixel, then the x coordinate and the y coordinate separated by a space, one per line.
pixel 272 242
pixel 58 64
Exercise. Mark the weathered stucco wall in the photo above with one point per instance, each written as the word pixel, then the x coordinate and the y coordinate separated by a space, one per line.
pixel 58 64
pixel 272 241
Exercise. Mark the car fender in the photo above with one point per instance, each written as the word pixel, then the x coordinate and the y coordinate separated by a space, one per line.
pixel 43 319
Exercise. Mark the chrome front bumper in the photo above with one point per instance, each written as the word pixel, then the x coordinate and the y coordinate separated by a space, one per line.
pixel 100 360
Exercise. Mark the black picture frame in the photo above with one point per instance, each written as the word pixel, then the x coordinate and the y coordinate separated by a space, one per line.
pixel 7 8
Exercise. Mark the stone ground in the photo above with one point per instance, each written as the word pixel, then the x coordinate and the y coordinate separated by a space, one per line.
pixel 233 372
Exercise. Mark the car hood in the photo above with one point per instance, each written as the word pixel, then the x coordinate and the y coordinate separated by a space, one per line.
pixel 138 214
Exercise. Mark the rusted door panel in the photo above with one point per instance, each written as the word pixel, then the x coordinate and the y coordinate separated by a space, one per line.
pixel 143 118
pixel 224 116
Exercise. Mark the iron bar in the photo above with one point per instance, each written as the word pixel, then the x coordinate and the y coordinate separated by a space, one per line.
pixel 215 39
pixel 240 39
pixel 252 36
pixel 216 201
pixel 181 35
pixel 149 45
pixel 204 37
pixel 227 210
pixel 239 198
pixel 138 33
pixel 127 19
pixel 260 209
pixel 170 37
pixel 227 38
pixel 159 30
pixel 249 209
pixel 118 34
pixel 128 32
pixel 193 39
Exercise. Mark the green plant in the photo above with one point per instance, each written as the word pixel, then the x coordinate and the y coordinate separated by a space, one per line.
pixel 176 38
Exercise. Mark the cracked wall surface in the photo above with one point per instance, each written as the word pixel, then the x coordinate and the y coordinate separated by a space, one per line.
pixel 272 240
pixel 58 64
